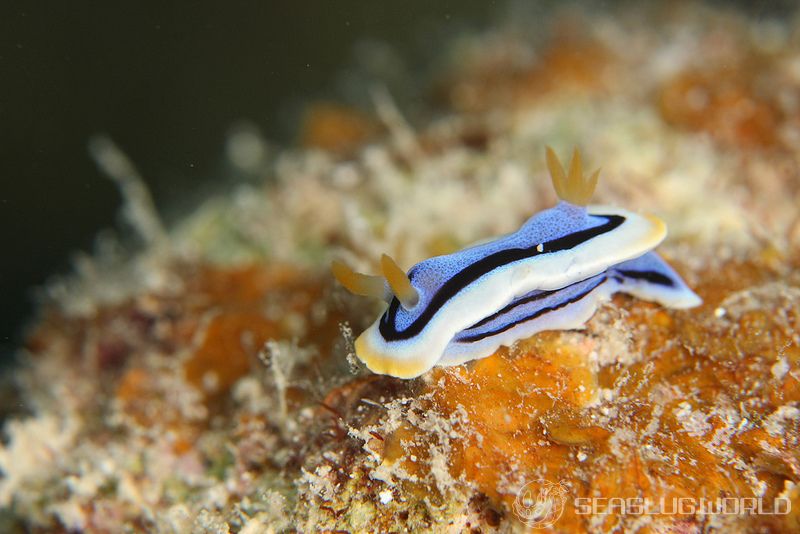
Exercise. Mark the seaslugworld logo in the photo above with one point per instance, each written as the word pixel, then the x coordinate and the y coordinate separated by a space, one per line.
pixel 682 506
pixel 540 504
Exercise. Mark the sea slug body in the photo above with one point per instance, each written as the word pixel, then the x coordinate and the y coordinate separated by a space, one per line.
pixel 647 277
pixel 563 251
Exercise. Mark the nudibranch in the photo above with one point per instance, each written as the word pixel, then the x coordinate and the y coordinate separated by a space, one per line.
pixel 647 277
pixel 446 295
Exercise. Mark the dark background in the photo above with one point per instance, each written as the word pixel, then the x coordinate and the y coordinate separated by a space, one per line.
pixel 166 81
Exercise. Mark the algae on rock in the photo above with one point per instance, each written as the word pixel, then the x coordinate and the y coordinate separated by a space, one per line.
pixel 204 383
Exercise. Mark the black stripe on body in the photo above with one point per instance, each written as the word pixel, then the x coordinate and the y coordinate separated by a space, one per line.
pixel 515 304
pixel 650 276
pixel 482 267
pixel 531 317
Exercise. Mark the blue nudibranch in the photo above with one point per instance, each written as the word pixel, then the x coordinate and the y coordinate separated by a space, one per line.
pixel 550 274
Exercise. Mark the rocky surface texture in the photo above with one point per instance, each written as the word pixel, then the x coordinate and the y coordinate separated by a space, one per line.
pixel 207 383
